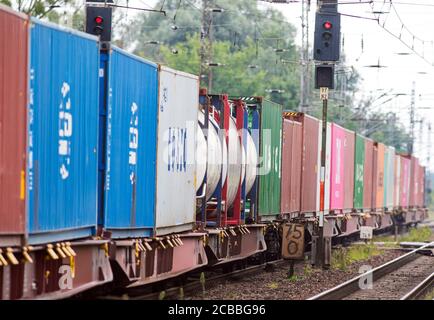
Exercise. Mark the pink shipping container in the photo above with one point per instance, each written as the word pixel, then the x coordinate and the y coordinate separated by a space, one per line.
pixel 13 121
pixel 404 184
pixel 414 182
pixel 341 168
pixel 349 152
pixel 368 174
pixel 397 180
pixel 291 166
pixel 379 177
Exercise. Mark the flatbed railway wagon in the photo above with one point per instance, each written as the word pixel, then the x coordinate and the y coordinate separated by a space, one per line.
pixel 148 211
pixel 228 196
pixel 48 212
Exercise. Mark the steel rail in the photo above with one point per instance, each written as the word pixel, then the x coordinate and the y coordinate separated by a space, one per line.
pixel 421 289
pixel 196 284
pixel 345 289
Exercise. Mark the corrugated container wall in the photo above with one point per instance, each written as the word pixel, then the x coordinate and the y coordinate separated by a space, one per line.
pixel 368 174
pixel 62 130
pixel 397 179
pixel 131 146
pixel 13 99
pixel 359 165
pixel 422 186
pixel 328 156
pixel 389 170
pixel 310 167
pixel 270 153
pixel 349 145
pixel 379 188
pixel 374 177
pixel 404 186
pixel 176 155
pixel 291 166
pixel 414 182
pixel 341 168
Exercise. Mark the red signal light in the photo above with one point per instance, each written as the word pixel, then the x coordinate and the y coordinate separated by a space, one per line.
pixel 327 25
pixel 99 20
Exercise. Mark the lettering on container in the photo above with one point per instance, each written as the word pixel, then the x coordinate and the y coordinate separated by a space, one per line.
pixel 339 156
pixel 30 131
pixel 359 175
pixel 164 99
pixel 133 141
pixel 177 149
pixel 65 131
pixel 109 144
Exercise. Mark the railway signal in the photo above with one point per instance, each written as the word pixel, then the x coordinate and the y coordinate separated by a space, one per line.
pixel 327 36
pixel 99 21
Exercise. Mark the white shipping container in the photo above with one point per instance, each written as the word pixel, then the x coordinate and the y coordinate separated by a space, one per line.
pixel 389 185
pixel 176 151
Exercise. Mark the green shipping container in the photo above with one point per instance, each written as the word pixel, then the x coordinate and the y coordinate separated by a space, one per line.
pixel 359 160
pixel 269 173
pixel 270 156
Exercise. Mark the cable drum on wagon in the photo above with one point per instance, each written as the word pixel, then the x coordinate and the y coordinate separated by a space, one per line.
pixel 211 157
pixel 251 163
pixel 234 162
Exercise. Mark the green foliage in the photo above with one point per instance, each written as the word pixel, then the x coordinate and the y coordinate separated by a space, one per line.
pixel 418 235
pixel 342 258
pixel 6 2
pixel 235 77
pixel 244 36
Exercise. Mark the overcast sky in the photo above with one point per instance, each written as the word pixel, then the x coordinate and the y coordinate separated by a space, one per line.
pixel 400 70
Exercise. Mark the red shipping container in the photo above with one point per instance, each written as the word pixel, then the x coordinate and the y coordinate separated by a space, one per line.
pixel 13 99
pixel 291 166
pixel 310 165
pixel 310 137
pixel 368 174
pixel 421 202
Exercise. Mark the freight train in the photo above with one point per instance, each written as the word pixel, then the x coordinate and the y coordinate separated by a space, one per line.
pixel 118 172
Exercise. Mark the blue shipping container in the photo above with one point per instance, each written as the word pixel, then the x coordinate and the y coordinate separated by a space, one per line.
pixel 62 134
pixel 131 146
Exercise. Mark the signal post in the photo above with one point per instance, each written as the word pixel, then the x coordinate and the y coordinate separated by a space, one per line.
pixel 326 54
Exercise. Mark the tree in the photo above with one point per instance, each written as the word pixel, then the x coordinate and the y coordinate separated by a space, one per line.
pixel 244 40
pixel 237 77
pixel 36 8
pixel 53 10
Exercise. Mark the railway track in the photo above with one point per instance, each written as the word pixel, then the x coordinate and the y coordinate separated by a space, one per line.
pixel 409 276
pixel 421 290
pixel 195 284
